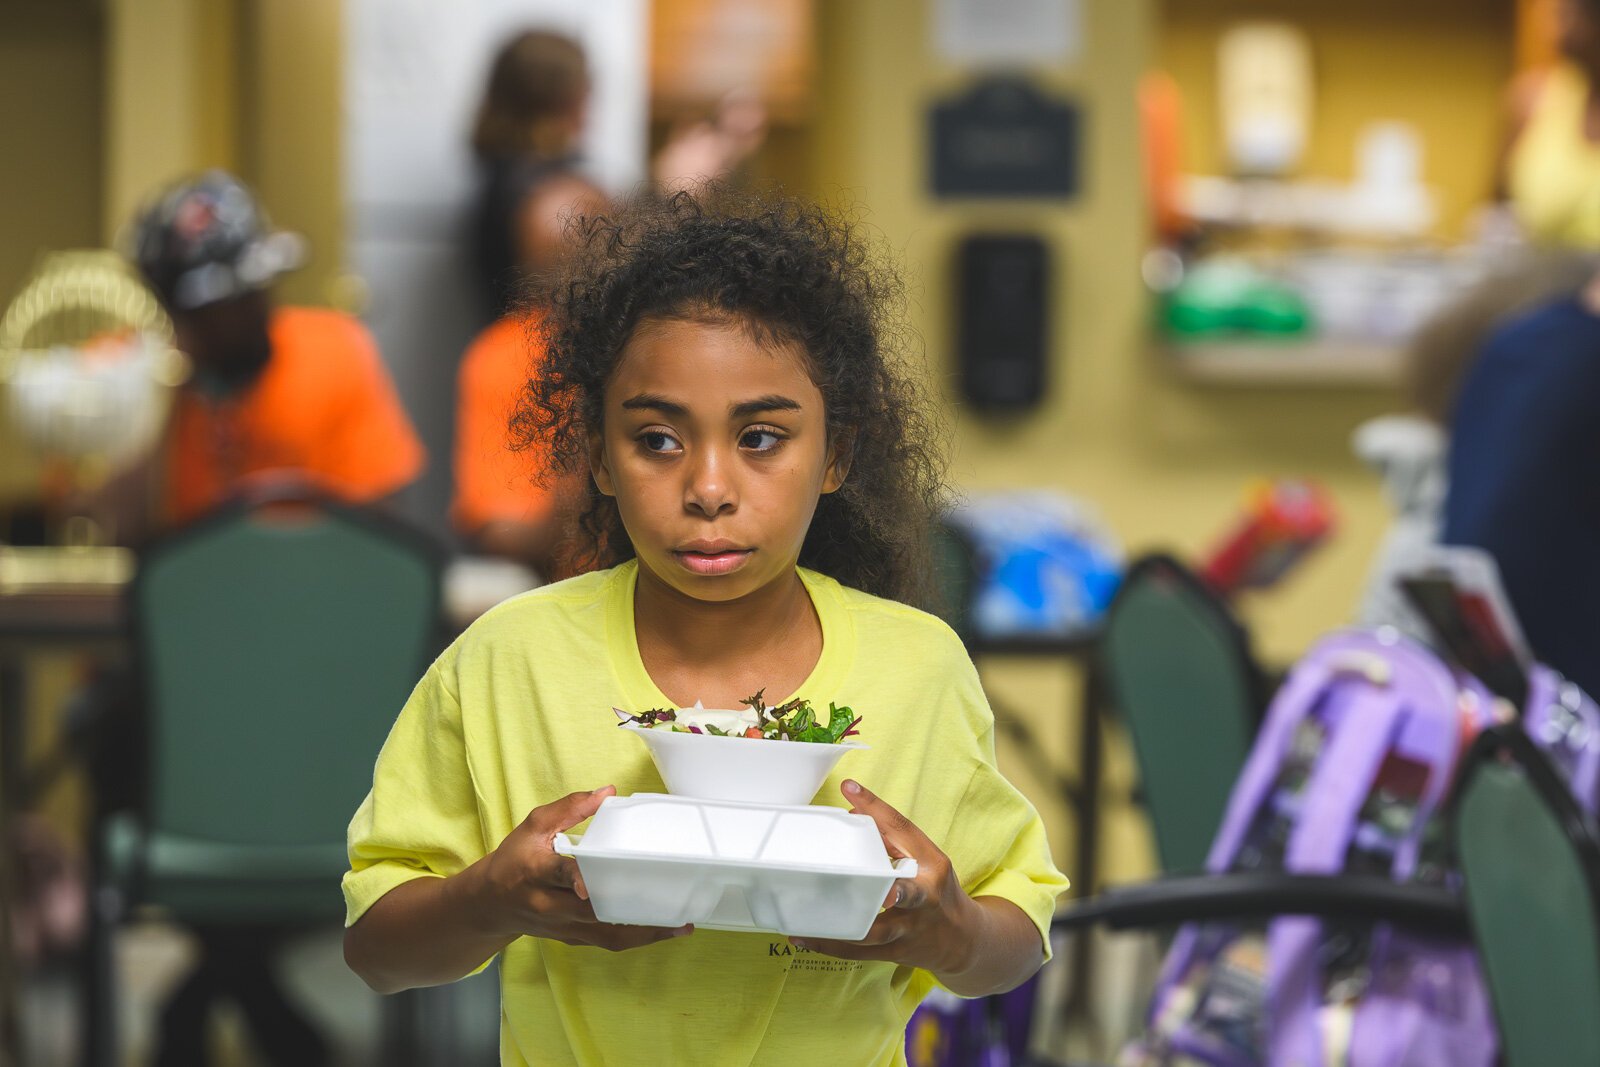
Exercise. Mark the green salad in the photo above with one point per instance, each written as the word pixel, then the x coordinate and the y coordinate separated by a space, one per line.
pixel 794 721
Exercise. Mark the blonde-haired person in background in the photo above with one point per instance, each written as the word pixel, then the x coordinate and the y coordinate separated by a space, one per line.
pixel 1548 172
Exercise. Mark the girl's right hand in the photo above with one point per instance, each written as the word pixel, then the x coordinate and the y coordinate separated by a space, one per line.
pixel 528 889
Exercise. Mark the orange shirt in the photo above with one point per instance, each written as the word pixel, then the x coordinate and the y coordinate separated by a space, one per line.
pixel 324 409
pixel 493 483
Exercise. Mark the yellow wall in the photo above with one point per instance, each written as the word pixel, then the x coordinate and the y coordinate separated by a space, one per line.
pixel 292 125
pixel 169 97
pixel 1440 65
pixel 50 113
pixel 1165 461
pixel 250 85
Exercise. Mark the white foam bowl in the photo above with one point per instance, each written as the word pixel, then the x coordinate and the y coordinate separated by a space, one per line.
pixel 749 769
pixel 812 871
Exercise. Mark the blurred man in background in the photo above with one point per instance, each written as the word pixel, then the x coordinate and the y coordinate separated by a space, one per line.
pixel 276 392
pixel 1524 451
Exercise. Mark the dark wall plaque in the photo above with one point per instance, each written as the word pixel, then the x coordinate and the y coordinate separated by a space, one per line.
pixel 1003 285
pixel 1004 138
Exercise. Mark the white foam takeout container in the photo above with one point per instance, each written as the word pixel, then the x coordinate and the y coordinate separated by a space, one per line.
pixel 657 860
pixel 746 769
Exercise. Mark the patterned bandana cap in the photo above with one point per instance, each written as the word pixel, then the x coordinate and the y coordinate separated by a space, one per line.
pixel 206 239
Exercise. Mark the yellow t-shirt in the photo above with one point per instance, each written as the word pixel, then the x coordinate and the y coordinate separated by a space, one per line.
pixel 517 713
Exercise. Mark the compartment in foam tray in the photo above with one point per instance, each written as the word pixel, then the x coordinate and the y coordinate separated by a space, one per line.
pixel 660 860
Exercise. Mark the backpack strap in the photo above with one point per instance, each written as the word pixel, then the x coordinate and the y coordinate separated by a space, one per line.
pixel 1339 785
pixel 1295 701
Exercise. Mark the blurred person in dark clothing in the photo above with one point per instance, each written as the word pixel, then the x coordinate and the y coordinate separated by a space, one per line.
pixel 526 141
pixel 1524 475
pixel 526 138
pixel 1409 449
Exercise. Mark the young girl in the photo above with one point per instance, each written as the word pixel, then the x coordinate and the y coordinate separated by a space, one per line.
pixel 762 481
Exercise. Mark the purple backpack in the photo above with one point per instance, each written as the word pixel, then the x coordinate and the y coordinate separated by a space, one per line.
pixel 1354 760
pixel 1357 753
pixel 949 1031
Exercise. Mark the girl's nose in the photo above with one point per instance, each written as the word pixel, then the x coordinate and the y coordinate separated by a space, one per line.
pixel 710 490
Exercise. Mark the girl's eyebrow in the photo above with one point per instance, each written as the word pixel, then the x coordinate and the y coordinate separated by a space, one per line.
pixel 771 402
pixel 654 402
pixel 742 410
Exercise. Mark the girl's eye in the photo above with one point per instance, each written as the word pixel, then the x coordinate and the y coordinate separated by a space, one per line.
pixel 760 440
pixel 658 441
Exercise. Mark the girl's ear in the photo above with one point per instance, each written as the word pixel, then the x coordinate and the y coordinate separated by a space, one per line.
pixel 840 454
pixel 598 470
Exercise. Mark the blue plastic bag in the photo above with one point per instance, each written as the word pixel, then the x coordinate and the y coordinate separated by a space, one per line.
pixel 1046 565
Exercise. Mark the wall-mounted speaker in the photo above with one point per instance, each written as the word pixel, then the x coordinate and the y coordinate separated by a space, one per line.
pixel 1002 290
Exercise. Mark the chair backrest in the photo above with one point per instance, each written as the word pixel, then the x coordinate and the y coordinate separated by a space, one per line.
pixel 277 648
pixel 954 561
pixel 1530 863
pixel 1179 671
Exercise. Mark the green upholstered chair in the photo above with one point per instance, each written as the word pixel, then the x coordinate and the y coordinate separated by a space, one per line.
pixel 1530 863
pixel 954 562
pixel 1178 670
pixel 276 641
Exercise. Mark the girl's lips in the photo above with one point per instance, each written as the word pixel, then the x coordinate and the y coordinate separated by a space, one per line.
pixel 713 562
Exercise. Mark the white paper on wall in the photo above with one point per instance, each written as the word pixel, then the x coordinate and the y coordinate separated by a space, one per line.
pixel 1008 32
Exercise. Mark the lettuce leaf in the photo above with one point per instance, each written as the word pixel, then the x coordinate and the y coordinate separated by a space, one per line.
pixel 841 723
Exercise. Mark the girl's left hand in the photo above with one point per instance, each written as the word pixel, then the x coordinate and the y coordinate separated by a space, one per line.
pixel 930 923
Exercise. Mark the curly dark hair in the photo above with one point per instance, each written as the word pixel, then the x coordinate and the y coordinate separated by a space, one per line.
pixel 790 272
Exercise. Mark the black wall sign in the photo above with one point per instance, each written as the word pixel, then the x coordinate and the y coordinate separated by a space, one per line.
pixel 1004 138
